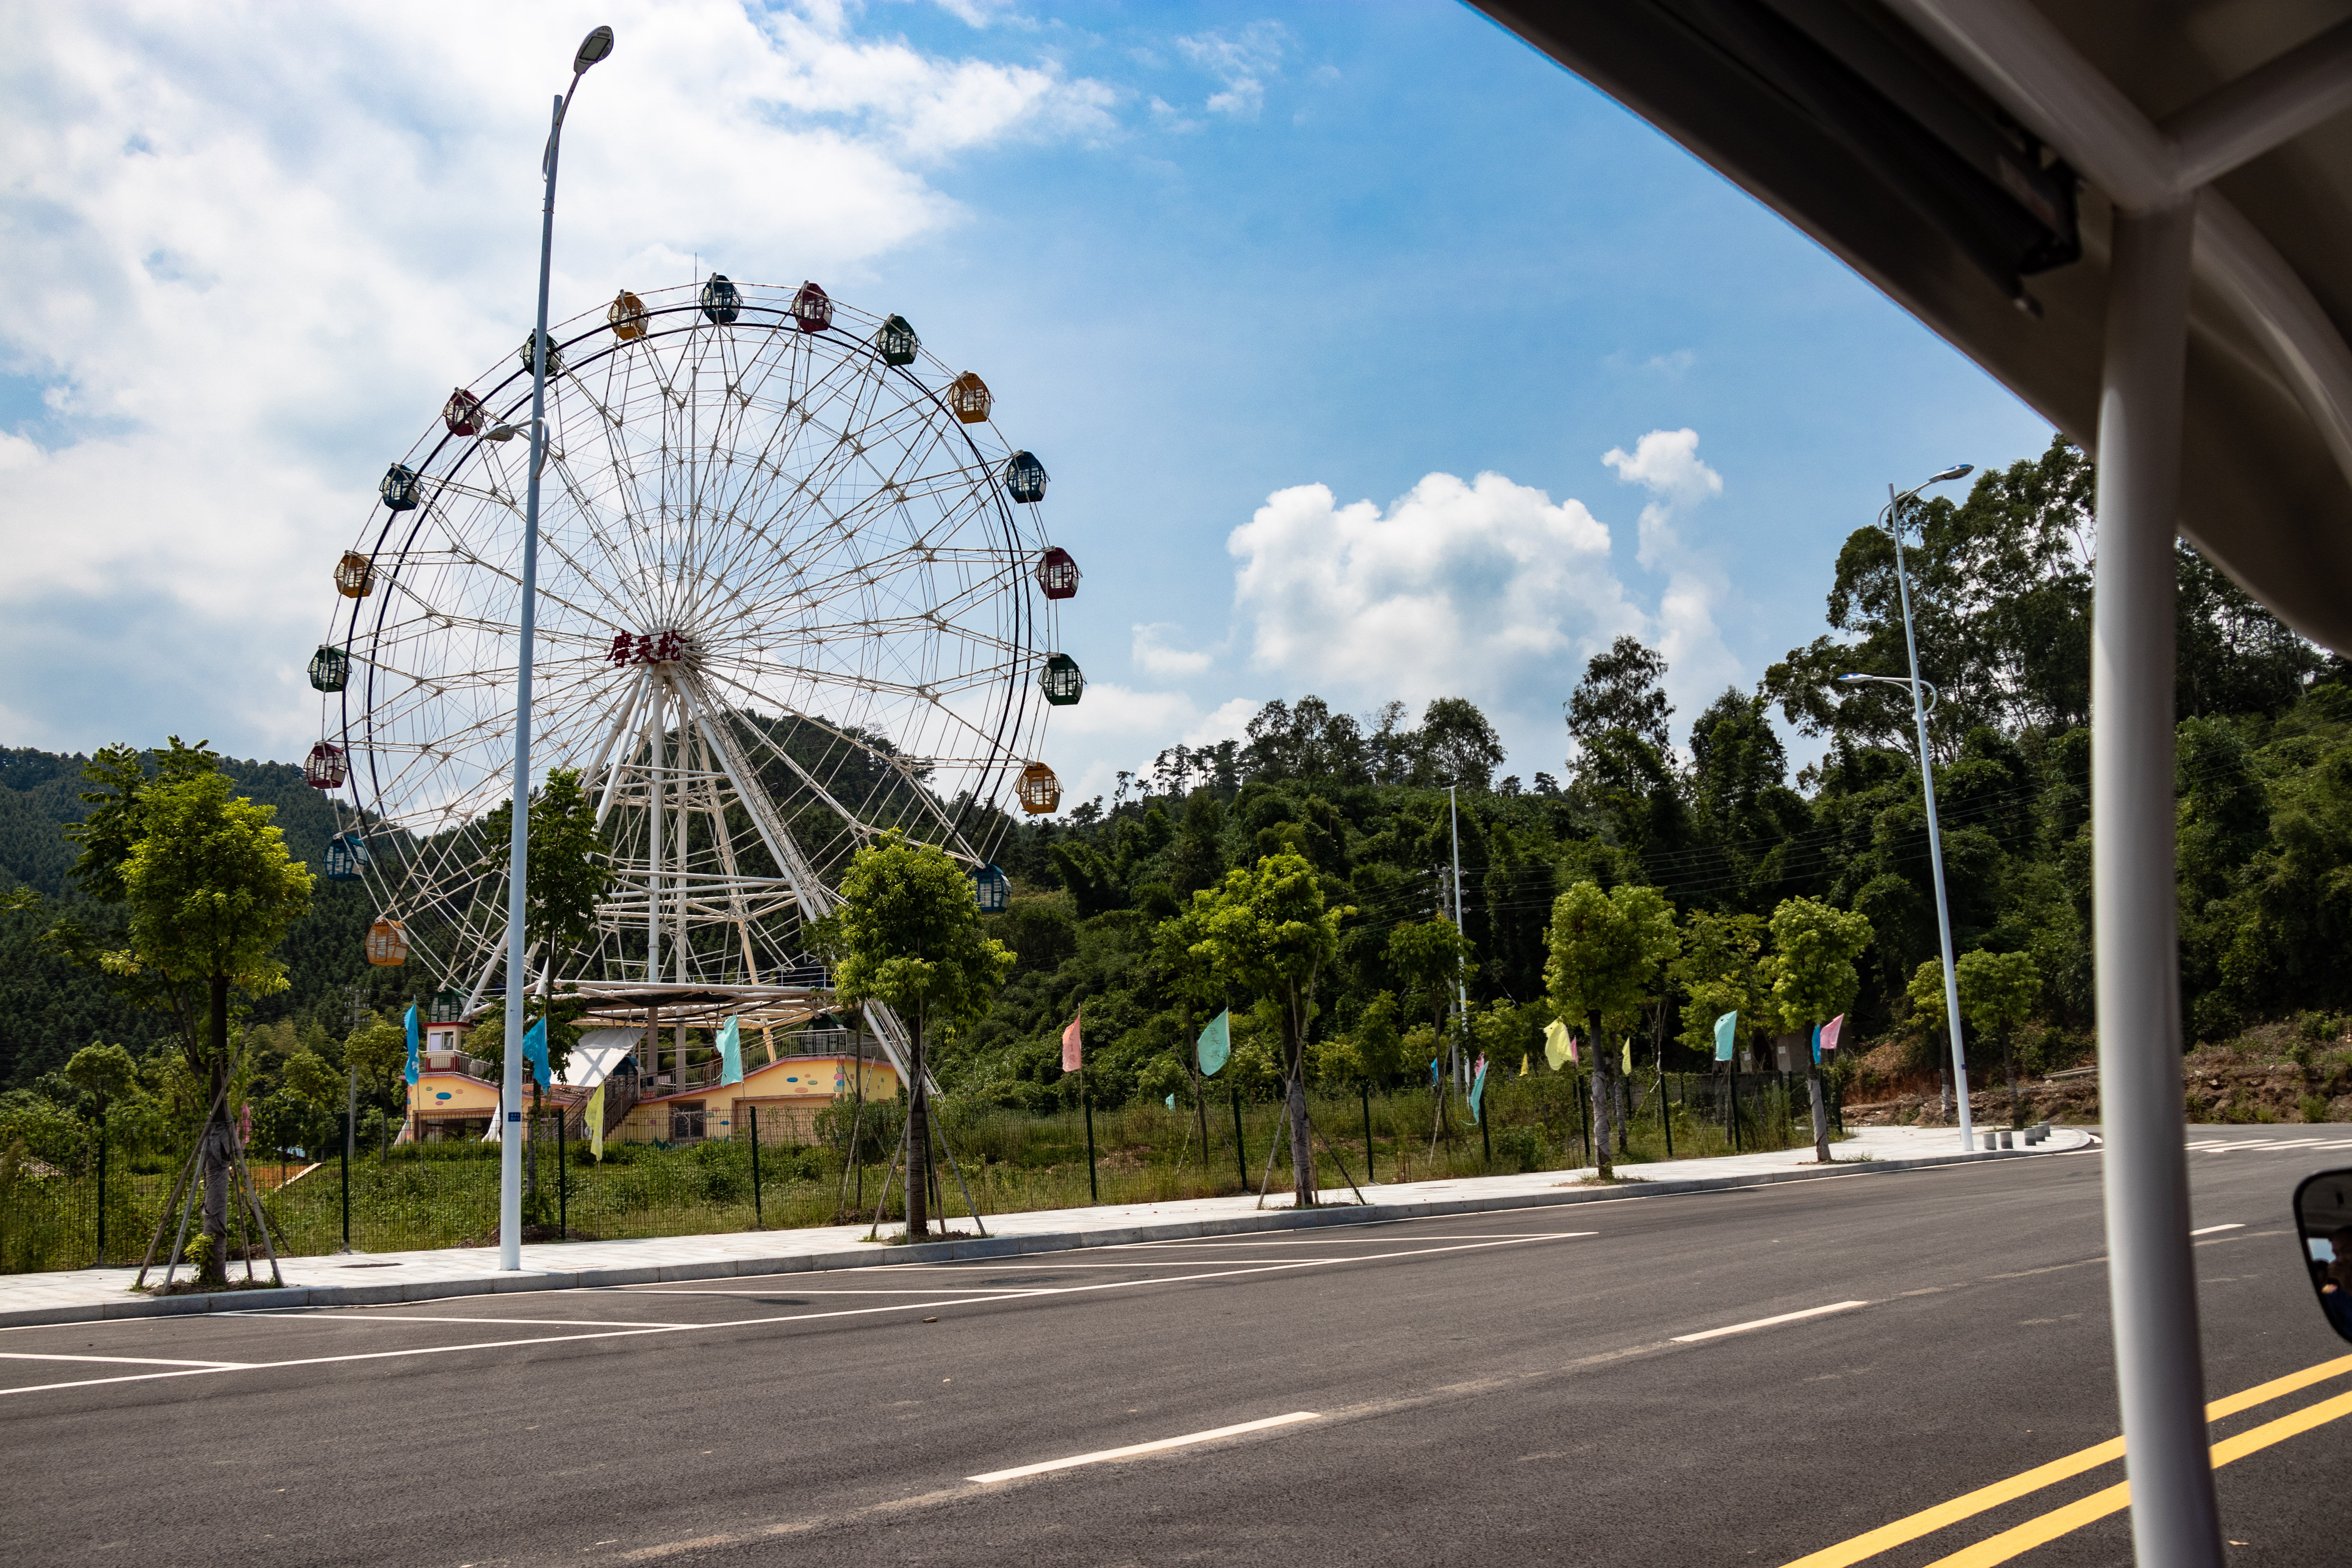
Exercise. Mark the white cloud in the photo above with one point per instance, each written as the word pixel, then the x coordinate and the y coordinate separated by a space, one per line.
pixel 1154 656
pixel 1242 59
pixel 247 261
pixel 1667 464
pixel 1456 589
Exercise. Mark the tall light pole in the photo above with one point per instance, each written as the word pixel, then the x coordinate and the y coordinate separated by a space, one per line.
pixel 1894 524
pixel 593 47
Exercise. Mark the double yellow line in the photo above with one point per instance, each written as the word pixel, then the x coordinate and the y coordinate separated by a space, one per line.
pixel 2058 1522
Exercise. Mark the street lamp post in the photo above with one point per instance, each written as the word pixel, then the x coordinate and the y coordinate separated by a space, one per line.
pixel 1894 503
pixel 594 47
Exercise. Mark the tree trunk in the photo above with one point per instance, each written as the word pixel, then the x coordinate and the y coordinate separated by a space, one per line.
pixel 1820 1114
pixel 919 1142
pixel 1604 1097
pixel 1302 1146
pixel 218 1139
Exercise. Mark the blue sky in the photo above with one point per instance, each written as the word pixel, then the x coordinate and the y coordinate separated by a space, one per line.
pixel 1210 258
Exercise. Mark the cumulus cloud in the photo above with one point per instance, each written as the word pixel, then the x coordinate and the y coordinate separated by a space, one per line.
pixel 1667 464
pixel 1486 589
pixel 247 261
pixel 1154 655
pixel 1242 59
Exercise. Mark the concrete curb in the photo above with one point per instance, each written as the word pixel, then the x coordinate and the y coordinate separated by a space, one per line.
pixel 392 1293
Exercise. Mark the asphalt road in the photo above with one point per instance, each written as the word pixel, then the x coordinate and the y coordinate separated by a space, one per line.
pixel 1508 1388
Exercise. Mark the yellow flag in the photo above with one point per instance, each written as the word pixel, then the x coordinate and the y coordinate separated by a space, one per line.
pixel 1559 1050
pixel 1629 1056
pixel 594 1116
pixel 1523 1064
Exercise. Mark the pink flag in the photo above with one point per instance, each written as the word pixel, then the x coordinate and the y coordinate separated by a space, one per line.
pixel 1829 1032
pixel 1073 1044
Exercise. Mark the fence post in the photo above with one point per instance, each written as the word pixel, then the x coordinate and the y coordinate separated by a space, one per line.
pixel 102 1188
pixel 562 1177
pixel 350 1107
pixel 1241 1160
pixel 1086 1091
pixel 758 1216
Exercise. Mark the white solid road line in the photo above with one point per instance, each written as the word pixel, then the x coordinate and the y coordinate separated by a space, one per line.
pixel 1768 1323
pixel 2209 1229
pixel 119 1360
pixel 1135 1448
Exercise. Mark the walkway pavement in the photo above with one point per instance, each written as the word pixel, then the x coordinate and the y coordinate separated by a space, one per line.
pixel 379 1279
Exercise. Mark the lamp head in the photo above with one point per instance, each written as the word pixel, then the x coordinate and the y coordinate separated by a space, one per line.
pixel 1956 471
pixel 1849 680
pixel 593 47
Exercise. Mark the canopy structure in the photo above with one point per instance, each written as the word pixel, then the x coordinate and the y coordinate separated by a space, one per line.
pixel 1848 118
pixel 2132 214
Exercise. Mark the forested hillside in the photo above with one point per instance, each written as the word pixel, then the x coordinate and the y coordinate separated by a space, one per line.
pixel 49 1008
pixel 2001 587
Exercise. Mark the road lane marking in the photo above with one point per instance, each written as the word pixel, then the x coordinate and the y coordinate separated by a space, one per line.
pixel 379 1315
pixel 120 1360
pixel 2210 1229
pixel 2064 1520
pixel 1926 1522
pixel 962 1298
pixel 1131 1450
pixel 1768 1323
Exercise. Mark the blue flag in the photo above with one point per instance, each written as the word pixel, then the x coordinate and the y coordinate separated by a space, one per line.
pixel 1216 1044
pixel 730 1054
pixel 1727 1029
pixel 415 1065
pixel 1172 1102
pixel 534 1051
pixel 1817 1045
pixel 1477 1088
pixel 1432 1072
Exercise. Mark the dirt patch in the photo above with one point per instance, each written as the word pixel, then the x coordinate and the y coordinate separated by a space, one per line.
pixel 2218 1084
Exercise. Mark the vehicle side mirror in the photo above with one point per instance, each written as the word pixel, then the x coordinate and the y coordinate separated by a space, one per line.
pixel 2323 1220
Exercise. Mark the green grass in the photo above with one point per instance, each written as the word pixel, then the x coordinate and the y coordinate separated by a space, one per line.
pixel 442 1196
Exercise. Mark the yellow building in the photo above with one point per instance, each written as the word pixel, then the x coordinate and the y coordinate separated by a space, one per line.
pixel 787 1092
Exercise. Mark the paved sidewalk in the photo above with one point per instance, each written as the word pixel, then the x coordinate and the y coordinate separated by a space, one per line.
pixel 374 1279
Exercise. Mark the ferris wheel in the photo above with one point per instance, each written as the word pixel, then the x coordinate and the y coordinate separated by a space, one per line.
pixel 793 590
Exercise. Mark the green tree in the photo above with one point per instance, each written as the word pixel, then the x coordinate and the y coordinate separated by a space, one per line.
pixel 1721 970
pixel 1431 957
pixel 1267 926
pixel 907 934
pixel 1609 954
pixel 211 892
pixel 1814 980
pixel 1998 992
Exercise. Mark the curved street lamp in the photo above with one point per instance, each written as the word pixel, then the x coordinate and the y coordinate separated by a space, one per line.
pixel 594 47
pixel 1892 520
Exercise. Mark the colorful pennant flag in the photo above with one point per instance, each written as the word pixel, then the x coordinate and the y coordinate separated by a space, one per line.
pixel 1726 1030
pixel 1072 1044
pixel 1559 1050
pixel 1523 1064
pixel 1216 1044
pixel 1477 1088
pixel 595 1117
pixel 730 1054
pixel 415 1065
pixel 1829 1037
pixel 1432 1072
pixel 1172 1102
pixel 1629 1056
pixel 534 1051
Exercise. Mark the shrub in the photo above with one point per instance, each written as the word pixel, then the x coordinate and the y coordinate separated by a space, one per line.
pixel 2314 1108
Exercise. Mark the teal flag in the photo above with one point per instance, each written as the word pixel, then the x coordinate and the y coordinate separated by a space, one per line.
pixel 414 1066
pixel 1477 1088
pixel 534 1051
pixel 1216 1044
pixel 730 1055
pixel 1172 1102
pixel 1726 1028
